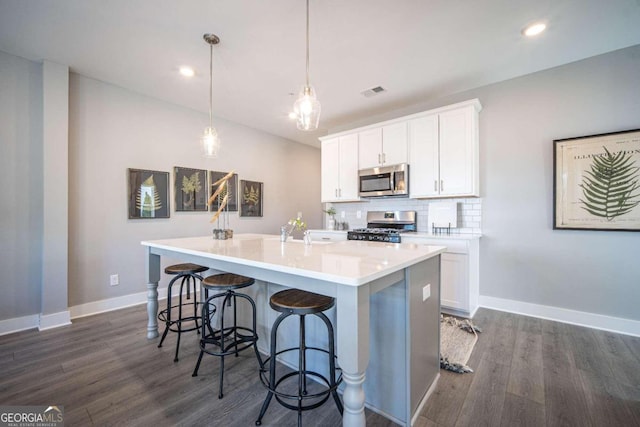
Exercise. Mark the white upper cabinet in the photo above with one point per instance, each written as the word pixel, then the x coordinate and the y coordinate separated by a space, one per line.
pixel 444 153
pixel 370 148
pixel 440 145
pixel 339 157
pixel 383 146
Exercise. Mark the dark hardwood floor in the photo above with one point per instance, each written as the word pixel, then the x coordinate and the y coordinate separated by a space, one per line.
pixel 527 372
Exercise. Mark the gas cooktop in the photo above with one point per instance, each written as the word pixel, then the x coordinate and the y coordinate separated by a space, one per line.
pixel 385 226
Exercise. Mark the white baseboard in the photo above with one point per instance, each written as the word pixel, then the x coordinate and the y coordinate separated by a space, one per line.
pixel 54 320
pixel 581 318
pixel 18 324
pixel 110 304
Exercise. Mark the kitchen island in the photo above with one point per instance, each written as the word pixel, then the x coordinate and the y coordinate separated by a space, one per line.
pixel 387 306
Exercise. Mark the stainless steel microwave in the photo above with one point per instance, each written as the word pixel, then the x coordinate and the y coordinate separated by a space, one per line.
pixel 384 181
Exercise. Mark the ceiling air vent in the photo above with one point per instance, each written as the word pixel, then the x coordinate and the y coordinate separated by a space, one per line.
pixel 373 91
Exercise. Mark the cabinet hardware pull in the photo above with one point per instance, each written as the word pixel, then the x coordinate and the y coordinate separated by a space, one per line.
pixel 339 192
pixel 384 158
pixel 336 192
pixel 379 160
pixel 435 185
pixel 441 185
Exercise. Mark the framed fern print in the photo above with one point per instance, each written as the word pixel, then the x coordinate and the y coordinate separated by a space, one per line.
pixel 190 189
pixel 148 194
pixel 251 196
pixel 597 182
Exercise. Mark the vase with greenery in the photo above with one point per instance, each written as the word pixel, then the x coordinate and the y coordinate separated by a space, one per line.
pixel 293 224
pixel 331 223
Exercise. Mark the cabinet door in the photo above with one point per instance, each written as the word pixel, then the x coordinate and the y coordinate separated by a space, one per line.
pixel 330 156
pixel 348 170
pixel 370 148
pixel 454 286
pixel 458 151
pixel 394 144
pixel 423 157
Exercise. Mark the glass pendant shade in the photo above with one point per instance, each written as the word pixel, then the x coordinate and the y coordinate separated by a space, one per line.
pixel 307 109
pixel 210 142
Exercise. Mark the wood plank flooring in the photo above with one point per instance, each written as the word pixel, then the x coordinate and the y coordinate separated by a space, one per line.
pixel 534 372
pixel 528 372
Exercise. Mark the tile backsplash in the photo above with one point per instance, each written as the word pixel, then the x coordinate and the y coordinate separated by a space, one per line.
pixel 469 212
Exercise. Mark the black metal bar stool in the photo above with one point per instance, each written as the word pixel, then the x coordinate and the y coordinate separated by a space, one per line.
pixel 301 303
pixel 189 274
pixel 226 340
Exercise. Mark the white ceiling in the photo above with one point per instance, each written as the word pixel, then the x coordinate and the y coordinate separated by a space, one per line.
pixel 416 49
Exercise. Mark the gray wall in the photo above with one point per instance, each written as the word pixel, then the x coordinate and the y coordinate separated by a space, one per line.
pixel 521 257
pixel 110 130
pixel 21 193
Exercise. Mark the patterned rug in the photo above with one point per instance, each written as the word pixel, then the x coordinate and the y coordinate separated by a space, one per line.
pixel 457 338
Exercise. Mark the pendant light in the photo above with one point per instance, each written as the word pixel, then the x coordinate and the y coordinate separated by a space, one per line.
pixel 307 106
pixel 210 139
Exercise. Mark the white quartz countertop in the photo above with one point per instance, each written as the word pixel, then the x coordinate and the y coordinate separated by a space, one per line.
pixel 347 262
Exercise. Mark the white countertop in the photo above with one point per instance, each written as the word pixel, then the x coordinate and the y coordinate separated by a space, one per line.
pixel 347 262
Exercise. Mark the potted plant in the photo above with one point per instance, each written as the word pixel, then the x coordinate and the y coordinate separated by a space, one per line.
pixel 331 224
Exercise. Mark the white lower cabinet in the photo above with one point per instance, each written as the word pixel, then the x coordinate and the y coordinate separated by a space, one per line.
pixel 459 273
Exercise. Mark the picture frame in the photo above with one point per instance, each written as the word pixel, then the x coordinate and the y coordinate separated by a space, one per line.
pixel 147 194
pixel 597 182
pixel 190 189
pixel 232 203
pixel 251 198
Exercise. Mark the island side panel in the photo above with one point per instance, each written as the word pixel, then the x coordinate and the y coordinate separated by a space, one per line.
pixel 386 385
pixel 424 328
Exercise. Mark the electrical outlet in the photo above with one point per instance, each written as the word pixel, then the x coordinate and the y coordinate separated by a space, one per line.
pixel 426 292
pixel 343 214
pixel 114 280
pixel 358 214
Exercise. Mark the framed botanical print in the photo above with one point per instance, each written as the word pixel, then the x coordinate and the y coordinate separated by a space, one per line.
pixel 232 189
pixel 190 189
pixel 251 196
pixel 148 194
pixel 597 182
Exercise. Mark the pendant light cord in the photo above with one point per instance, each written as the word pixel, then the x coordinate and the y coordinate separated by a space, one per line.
pixel 307 43
pixel 211 86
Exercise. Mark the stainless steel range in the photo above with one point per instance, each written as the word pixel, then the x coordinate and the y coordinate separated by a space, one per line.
pixel 385 226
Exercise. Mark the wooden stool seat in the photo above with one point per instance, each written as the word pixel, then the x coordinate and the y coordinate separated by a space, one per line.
pixel 227 281
pixel 186 268
pixel 295 301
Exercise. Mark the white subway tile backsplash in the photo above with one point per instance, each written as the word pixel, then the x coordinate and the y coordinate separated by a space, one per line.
pixel 469 212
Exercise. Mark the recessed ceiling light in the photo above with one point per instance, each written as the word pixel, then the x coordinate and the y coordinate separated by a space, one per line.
pixel 534 29
pixel 187 71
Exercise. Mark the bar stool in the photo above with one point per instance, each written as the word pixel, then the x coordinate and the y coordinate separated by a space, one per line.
pixel 231 339
pixel 189 274
pixel 296 302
